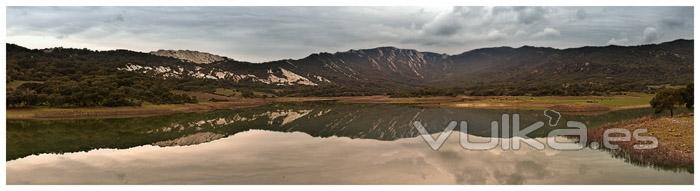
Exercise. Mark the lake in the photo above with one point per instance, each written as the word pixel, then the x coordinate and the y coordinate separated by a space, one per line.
pixel 311 143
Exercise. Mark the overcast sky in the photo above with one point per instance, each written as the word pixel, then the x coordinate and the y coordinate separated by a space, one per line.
pixel 271 33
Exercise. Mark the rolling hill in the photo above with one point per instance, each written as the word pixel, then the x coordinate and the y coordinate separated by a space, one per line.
pixel 65 76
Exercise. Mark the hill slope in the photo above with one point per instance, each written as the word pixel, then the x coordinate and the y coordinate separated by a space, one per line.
pixel 384 70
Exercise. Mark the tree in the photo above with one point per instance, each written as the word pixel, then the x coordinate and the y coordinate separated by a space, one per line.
pixel 688 96
pixel 667 99
pixel 247 94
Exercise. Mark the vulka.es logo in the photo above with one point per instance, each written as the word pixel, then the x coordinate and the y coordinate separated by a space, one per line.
pixel 518 135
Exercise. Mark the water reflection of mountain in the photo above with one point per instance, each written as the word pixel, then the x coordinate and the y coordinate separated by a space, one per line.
pixel 318 119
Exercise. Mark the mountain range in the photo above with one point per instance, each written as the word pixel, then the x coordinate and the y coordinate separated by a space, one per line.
pixel 669 62
pixel 525 70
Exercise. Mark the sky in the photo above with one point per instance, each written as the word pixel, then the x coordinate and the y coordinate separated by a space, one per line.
pixel 259 34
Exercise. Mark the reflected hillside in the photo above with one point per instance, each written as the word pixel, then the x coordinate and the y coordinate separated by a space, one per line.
pixel 319 119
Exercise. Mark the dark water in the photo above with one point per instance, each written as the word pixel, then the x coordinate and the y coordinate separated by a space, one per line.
pixel 308 143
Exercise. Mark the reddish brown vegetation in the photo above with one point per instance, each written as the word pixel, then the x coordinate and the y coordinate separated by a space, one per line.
pixel 675 136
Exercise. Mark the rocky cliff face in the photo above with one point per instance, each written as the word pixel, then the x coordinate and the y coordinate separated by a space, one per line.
pixel 189 55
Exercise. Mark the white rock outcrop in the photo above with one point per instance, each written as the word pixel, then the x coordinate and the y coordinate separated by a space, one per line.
pixel 190 55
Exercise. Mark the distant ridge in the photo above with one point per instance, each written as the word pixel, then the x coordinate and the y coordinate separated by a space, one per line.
pixel 190 55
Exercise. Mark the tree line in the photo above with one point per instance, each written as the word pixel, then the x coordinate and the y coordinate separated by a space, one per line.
pixel 88 91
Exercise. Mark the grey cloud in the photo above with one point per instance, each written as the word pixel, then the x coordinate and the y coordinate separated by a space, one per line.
pixel 650 35
pixel 528 15
pixel 675 19
pixel 547 33
pixel 449 23
pixel 496 35
pixel 621 41
pixel 271 33
pixel 674 23
pixel 468 24
pixel 119 18
pixel 581 14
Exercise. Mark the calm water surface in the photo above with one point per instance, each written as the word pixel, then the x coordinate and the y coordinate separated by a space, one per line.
pixel 308 143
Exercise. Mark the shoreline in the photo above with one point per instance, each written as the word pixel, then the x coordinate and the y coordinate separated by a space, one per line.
pixel 566 104
pixel 47 113
pixel 675 141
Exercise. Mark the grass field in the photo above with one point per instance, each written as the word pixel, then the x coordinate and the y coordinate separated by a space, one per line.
pixel 205 97
pixel 220 94
pixel 227 92
pixel 577 103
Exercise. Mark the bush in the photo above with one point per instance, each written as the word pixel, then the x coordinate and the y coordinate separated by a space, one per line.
pixel 668 99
